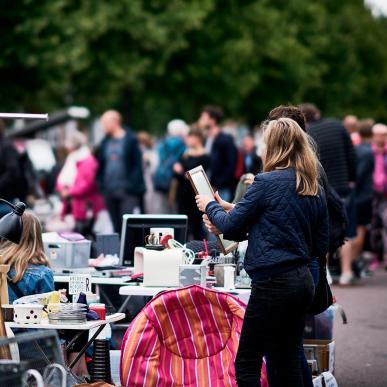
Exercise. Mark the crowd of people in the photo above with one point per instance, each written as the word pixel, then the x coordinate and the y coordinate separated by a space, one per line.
pixel 277 190
pixel 131 172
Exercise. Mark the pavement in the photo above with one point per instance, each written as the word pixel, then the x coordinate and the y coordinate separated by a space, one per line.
pixel 361 345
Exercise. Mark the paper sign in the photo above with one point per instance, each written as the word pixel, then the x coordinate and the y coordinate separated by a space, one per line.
pixel 331 364
pixel 80 283
pixel 317 382
pixel 329 380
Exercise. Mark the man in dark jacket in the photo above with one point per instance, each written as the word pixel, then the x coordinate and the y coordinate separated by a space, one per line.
pixel 120 172
pixel 222 150
pixel 9 171
pixel 252 162
pixel 338 158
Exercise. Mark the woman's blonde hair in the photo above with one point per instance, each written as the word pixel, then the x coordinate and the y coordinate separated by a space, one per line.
pixel 30 250
pixel 287 145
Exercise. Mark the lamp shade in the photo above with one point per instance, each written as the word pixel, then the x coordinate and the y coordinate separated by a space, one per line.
pixel 11 225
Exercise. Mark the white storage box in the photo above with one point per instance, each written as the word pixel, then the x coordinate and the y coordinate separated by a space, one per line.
pixel 159 268
pixel 66 250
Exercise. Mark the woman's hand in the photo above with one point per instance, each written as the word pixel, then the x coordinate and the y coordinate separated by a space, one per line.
pixel 202 201
pixel 210 227
pixel 226 205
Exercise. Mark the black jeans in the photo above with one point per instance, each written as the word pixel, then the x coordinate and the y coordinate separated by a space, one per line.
pixel 273 325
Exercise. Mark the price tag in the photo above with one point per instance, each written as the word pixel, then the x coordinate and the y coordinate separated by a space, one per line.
pixel 80 283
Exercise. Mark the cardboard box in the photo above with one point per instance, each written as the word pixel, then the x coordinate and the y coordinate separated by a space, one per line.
pixel 320 327
pixel 323 351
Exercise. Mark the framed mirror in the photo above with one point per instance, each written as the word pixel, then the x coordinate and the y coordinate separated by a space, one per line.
pixel 201 185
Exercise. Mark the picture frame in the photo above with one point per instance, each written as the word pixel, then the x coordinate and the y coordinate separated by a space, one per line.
pixel 202 186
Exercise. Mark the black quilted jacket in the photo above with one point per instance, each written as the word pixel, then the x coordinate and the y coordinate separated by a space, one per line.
pixel 284 229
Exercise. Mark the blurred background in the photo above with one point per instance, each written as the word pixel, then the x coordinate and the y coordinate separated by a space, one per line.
pixel 144 57
pixel 158 63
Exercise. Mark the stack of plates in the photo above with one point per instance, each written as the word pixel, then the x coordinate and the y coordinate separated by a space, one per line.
pixel 68 314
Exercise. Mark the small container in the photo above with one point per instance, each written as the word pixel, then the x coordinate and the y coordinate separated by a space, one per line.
pixel 192 275
pixel 27 313
pixel 229 277
pixel 100 309
pixel 220 273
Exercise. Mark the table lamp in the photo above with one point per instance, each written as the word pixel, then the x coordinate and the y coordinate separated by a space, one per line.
pixel 11 228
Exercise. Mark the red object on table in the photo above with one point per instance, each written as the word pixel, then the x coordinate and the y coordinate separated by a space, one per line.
pixel 205 246
pixel 100 309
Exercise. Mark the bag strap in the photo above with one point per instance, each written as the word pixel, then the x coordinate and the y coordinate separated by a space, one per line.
pixel 15 288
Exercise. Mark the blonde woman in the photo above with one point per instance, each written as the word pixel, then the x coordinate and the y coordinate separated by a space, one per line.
pixel 285 215
pixel 30 272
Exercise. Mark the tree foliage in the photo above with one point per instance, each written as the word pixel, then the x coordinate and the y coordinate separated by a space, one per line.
pixel 155 60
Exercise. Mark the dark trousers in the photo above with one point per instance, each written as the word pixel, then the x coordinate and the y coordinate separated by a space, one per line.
pixel 273 325
pixel 306 373
pixel 118 205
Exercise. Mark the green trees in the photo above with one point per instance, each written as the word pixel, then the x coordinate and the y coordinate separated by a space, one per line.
pixel 155 60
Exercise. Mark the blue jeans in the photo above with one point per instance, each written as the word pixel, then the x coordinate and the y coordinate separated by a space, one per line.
pixel 273 326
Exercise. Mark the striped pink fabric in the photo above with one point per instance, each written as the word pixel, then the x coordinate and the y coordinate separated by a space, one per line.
pixel 186 337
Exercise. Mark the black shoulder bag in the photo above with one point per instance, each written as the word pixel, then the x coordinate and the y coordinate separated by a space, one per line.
pixel 323 298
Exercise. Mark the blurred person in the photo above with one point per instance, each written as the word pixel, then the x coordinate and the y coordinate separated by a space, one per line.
pixel 288 111
pixel 222 151
pixel 10 172
pixel 338 159
pixel 295 113
pixel 364 184
pixel 77 186
pixel 30 274
pixel 194 156
pixel 30 271
pixel 282 285
pixel 351 124
pixel 380 185
pixel 170 151
pixel 120 173
pixel 252 162
pixel 152 203
pixel 281 111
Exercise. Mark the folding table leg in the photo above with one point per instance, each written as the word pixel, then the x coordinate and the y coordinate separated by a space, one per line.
pixel 83 350
pixel 124 305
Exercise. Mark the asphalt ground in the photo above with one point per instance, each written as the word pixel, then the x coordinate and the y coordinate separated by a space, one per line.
pixel 361 345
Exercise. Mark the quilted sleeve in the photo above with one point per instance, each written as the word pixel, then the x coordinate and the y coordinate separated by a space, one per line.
pixel 244 213
pixel 237 235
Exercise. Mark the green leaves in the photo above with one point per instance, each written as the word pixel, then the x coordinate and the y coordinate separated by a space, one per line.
pixel 158 59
